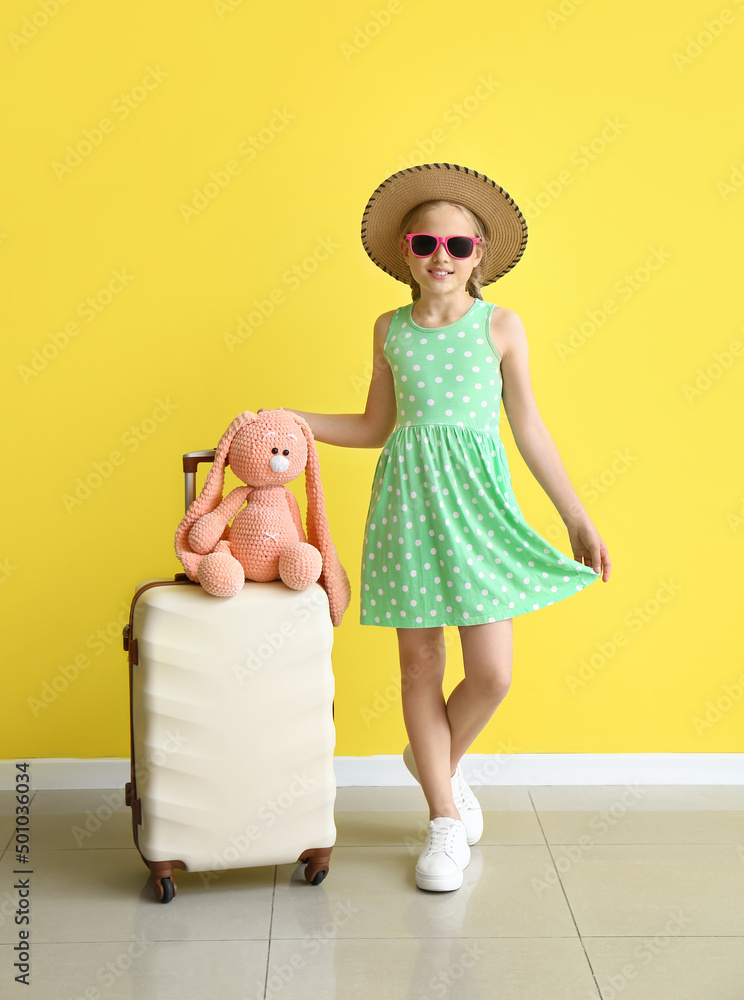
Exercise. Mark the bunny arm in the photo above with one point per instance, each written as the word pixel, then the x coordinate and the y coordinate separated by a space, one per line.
pixel 294 510
pixel 208 530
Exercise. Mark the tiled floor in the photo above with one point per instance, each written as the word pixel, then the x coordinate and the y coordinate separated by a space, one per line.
pixel 572 894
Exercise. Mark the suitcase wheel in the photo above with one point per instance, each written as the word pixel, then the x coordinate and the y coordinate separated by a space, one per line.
pixel 165 888
pixel 318 861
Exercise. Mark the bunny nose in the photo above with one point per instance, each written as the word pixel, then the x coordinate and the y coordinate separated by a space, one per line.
pixel 279 463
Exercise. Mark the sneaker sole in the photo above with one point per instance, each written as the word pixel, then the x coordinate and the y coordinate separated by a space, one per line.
pixel 439 883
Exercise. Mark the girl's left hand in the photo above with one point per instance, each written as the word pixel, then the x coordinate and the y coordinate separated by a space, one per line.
pixel 588 547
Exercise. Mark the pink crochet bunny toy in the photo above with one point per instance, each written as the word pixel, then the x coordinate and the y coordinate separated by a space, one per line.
pixel 266 540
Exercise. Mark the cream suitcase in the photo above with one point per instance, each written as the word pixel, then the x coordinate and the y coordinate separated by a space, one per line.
pixel 232 732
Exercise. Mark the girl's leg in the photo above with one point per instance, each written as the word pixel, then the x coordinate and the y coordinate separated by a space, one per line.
pixel 487 658
pixel 422 661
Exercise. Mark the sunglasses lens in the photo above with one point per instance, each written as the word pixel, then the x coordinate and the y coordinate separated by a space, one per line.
pixel 459 246
pixel 423 246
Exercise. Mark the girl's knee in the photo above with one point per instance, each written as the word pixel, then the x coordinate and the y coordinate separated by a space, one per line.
pixel 492 685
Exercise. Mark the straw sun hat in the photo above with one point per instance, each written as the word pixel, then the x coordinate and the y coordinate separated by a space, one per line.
pixel 506 229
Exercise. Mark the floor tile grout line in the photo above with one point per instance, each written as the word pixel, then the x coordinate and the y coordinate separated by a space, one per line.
pixel 428 937
pixel 271 924
pixel 565 896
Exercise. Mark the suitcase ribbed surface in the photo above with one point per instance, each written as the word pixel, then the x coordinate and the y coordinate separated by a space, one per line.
pixel 232 721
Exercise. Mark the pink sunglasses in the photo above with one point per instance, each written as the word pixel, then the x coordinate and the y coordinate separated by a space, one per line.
pixel 459 247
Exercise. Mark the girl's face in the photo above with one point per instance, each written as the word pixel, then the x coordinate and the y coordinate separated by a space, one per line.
pixel 442 273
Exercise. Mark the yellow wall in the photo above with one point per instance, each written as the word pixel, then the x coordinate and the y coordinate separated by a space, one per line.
pixel 616 129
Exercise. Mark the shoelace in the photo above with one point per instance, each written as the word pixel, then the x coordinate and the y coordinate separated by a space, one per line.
pixel 463 795
pixel 438 839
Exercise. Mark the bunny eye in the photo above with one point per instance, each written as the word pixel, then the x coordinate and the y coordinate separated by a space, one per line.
pixel 285 452
pixel 274 451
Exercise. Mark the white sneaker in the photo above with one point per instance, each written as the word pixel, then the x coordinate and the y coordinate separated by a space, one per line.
pixel 467 804
pixel 445 855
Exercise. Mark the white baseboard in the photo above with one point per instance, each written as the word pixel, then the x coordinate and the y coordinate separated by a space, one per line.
pixel 478 769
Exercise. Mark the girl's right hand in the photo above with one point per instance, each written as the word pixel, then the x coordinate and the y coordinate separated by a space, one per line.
pixel 588 547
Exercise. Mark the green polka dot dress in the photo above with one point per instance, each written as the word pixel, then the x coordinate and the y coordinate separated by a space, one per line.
pixel 445 542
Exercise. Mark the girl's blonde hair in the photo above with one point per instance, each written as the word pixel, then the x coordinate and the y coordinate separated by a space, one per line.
pixel 473 286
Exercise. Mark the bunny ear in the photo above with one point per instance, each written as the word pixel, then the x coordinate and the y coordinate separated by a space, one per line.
pixel 210 496
pixel 333 578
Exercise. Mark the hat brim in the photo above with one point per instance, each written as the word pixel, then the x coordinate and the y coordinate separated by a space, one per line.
pixel 506 228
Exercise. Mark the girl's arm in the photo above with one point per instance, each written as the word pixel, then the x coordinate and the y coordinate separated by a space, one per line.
pixel 372 428
pixel 537 447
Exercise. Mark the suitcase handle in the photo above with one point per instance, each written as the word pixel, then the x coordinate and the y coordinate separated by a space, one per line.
pixel 191 461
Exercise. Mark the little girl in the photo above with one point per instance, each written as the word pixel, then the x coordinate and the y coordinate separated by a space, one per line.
pixel 445 540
